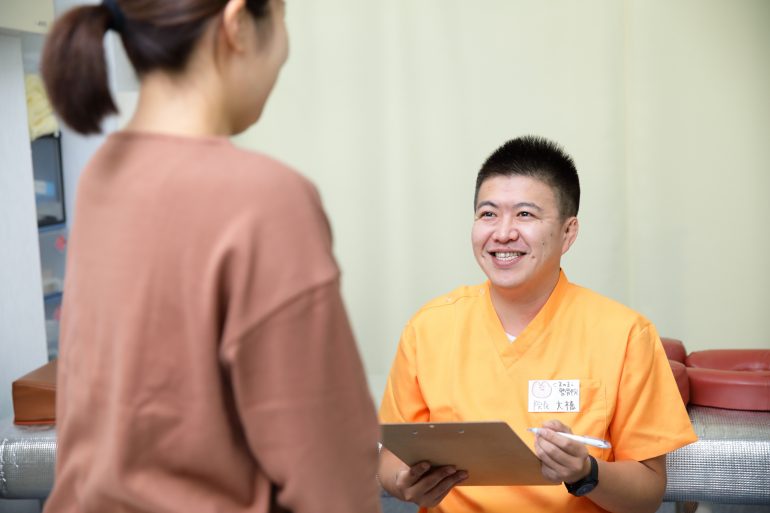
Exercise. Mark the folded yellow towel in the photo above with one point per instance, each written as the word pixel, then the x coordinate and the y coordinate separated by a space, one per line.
pixel 39 113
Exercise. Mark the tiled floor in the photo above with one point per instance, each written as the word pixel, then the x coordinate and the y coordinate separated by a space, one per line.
pixel 391 505
pixel 718 508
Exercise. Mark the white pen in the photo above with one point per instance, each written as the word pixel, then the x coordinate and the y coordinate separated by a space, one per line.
pixel 588 440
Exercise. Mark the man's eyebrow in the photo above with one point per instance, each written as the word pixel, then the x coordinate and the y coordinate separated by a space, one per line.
pixel 486 203
pixel 523 204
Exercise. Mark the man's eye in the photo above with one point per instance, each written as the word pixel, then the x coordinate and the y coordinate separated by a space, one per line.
pixel 486 214
pixel 525 214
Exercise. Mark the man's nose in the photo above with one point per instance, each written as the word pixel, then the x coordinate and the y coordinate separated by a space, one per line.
pixel 506 230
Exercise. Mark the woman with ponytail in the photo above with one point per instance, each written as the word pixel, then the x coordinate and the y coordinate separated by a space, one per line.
pixel 206 360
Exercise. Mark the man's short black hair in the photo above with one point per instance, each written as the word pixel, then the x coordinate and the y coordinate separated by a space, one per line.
pixel 538 158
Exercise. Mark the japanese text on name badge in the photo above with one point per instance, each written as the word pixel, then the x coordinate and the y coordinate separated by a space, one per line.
pixel 554 395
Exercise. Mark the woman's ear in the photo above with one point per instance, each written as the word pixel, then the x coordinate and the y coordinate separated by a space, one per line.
pixel 234 24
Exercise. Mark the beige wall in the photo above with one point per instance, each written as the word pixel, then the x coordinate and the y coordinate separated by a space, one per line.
pixel 392 106
pixel 699 169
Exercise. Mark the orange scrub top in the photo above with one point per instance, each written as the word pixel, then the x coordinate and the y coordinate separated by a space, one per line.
pixel 455 363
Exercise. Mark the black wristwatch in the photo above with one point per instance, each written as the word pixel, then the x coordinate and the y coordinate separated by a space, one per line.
pixel 588 483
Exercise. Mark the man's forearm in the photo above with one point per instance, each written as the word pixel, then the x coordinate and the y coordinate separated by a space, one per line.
pixel 630 486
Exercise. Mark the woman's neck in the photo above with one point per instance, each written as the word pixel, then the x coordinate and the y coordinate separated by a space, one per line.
pixel 186 104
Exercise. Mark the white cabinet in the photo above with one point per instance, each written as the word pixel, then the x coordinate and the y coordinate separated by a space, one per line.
pixel 26 15
pixel 22 316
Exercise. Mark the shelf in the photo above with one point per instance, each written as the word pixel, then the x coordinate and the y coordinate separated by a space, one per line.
pixel 26 15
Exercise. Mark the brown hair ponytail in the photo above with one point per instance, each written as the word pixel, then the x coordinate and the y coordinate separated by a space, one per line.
pixel 74 68
pixel 157 34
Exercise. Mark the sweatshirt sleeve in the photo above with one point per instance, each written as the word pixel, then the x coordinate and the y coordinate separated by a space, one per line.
pixel 304 405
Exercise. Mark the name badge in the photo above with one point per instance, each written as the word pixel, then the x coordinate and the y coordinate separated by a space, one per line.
pixel 554 395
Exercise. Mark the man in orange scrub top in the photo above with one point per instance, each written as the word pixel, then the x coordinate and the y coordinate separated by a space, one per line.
pixel 532 349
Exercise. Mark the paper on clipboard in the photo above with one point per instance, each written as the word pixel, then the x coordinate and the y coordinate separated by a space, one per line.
pixel 490 451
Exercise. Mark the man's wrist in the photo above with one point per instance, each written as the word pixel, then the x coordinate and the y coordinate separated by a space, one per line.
pixel 587 483
pixel 586 470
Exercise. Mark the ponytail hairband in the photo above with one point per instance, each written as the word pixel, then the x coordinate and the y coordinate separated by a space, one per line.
pixel 117 20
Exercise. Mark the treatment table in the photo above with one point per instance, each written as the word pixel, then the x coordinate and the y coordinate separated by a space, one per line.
pixel 729 464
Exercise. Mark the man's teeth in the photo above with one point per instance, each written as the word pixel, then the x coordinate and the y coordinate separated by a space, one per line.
pixel 507 255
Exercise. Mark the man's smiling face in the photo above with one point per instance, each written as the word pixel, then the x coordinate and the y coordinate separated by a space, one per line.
pixel 519 235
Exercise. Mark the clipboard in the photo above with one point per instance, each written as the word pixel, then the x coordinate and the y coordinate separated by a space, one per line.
pixel 490 451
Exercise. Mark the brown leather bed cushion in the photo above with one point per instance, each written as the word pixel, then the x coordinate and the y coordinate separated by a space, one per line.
pixel 736 379
pixel 34 396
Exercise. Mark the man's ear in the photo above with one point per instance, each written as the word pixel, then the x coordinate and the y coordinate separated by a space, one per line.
pixel 234 19
pixel 569 233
